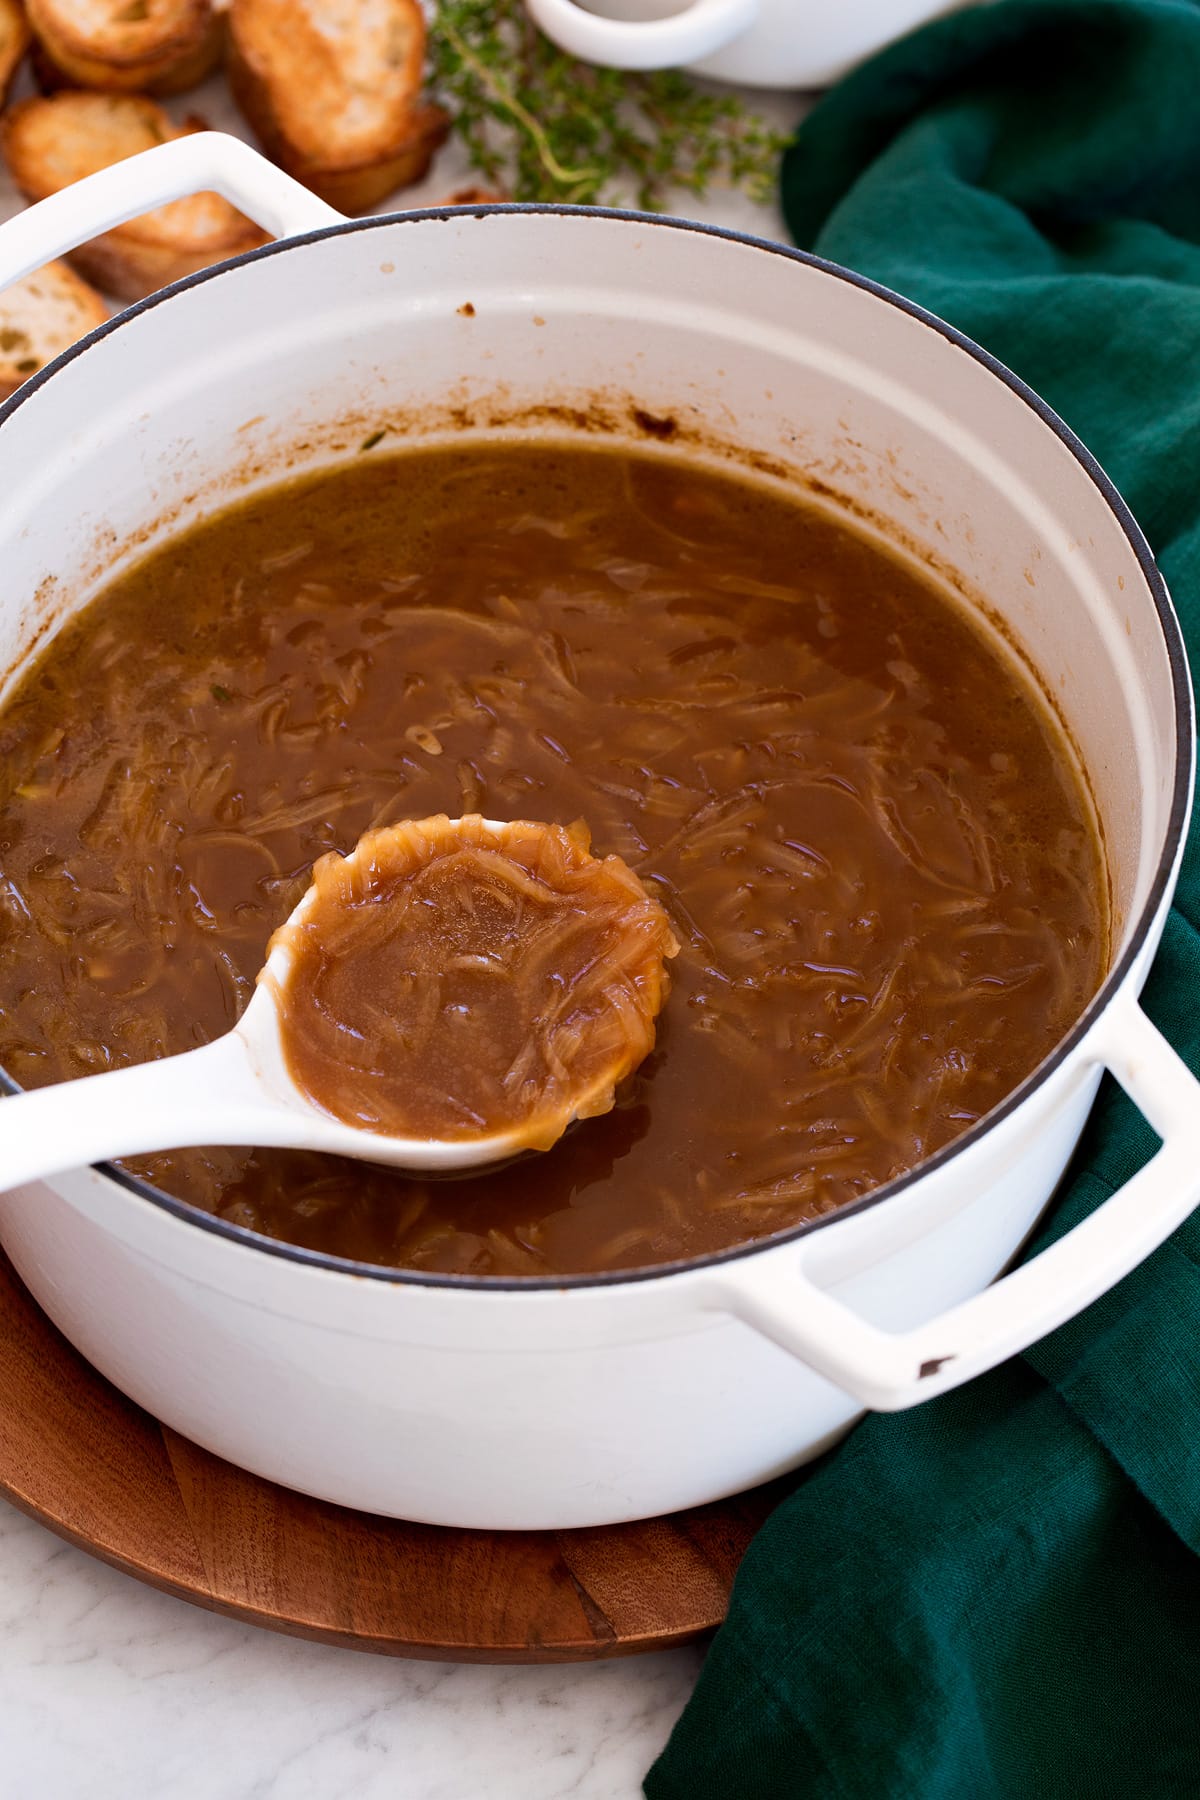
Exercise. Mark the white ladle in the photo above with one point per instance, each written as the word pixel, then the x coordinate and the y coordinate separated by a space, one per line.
pixel 236 1090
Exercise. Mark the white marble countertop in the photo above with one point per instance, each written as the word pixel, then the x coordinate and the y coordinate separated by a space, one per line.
pixel 111 1691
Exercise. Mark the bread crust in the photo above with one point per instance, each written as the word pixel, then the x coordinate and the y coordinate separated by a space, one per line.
pixel 15 38
pixel 50 142
pixel 333 92
pixel 474 196
pixel 141 47
pixel 40 317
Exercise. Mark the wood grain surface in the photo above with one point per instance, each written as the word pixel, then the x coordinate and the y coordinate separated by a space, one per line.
pixel 95 1468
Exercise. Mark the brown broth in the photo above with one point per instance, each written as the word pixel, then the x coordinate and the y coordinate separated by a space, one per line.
pixel 858 812
pixel 454 981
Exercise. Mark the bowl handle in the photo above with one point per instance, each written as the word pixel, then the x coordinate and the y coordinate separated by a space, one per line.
pixel 702 28
pixel 888 1370
pixel 205 162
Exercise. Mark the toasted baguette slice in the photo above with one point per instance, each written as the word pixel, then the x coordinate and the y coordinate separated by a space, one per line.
pixel 14 42
pixel 125 46
pixel 50 143
pixel 332 87
pixel 474 196
pixel 41 316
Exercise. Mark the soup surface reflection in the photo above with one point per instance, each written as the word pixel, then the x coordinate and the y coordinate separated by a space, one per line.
pixel 863 823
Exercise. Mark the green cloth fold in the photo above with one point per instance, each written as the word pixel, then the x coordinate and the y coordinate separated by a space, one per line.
pixel 997 1595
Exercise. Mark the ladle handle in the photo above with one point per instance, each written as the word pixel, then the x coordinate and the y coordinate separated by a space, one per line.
pixel 888 1370
pixel 205 1096
pixel 204 162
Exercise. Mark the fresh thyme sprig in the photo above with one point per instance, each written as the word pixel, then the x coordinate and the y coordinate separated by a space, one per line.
pixel 543 126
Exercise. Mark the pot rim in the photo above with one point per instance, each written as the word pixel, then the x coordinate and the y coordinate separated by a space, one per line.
pixel 1104 995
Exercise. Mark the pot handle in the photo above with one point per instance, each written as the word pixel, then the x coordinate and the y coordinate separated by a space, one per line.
pixel 204 162
pixel 702 28
pixel 888 1371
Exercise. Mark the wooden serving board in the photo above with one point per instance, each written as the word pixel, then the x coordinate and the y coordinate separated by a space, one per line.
pixel 103 1474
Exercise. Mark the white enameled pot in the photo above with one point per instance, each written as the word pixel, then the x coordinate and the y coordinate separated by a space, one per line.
pixel 755 43
pixel 582 1401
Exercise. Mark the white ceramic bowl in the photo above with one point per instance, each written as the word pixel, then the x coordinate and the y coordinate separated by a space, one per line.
pixel 756 43
pixel 579 1401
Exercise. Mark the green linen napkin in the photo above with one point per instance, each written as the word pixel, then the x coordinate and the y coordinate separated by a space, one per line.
pixel 997 1595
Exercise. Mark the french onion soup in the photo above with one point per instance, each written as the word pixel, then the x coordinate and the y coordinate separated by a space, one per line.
pixel 453 980
pixel 853 804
